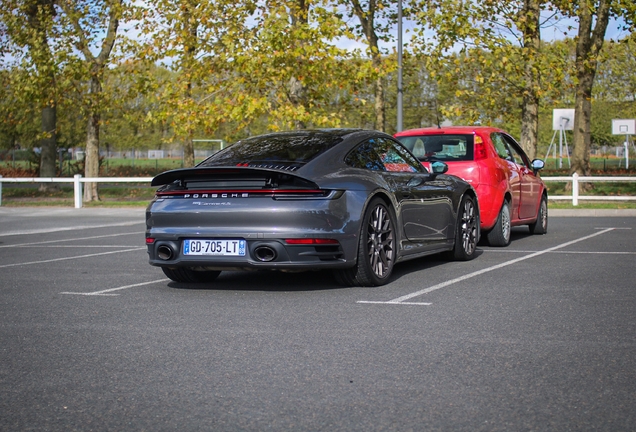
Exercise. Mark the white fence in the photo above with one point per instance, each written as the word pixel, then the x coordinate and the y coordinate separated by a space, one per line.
pixel 576 187
pixel 77 181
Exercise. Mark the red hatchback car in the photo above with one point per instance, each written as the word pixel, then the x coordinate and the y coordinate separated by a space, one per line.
pixel 509 191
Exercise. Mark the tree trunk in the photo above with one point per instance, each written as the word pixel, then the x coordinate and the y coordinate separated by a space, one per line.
pixel 48 144
pixel 188 151
pixel 39 14
pixel 112 11
pixel 367 22
pixel 530 126
pixel 297 98
pixel 531 47
pixel 91 160
pixel 582 141
pixel 297 91
pixel 588 46
pixel 189 59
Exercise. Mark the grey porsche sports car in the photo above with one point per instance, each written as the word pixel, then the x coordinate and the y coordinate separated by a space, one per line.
pixel 353 201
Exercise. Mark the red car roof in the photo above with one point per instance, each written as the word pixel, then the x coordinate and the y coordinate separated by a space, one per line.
pixel 448 130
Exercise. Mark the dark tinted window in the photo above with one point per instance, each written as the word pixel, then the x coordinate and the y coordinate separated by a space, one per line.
pixel 441 147
pixel 365 156
pixel 381 154
pixel 287 151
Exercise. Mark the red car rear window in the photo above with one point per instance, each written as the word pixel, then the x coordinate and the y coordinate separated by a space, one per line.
pixel 441 147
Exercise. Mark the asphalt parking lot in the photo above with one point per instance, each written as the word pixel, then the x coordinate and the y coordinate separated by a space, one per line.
pixel 537 336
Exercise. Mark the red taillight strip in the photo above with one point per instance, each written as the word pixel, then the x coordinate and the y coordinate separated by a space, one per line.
pixel 231 192
pixel 307 241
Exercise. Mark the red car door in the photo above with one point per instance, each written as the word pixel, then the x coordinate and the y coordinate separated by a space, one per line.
pixel 530 185
pixel 511 171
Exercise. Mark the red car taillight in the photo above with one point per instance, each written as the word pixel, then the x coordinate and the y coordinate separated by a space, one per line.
pixel 480 149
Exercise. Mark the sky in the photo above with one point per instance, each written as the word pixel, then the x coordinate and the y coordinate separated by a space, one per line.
pixel 565 28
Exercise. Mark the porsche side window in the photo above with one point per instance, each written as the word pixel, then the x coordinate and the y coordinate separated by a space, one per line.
pixel 365 156
pixel 380 154
pixel 397 159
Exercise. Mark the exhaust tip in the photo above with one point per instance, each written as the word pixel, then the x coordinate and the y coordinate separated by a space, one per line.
pixel 165 252
pixel 265 254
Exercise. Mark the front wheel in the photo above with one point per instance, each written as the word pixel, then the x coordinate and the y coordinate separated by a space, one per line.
pixel 500 233
pixel 467 231
pixel 187 275
pixel 540 226
pixel 376 248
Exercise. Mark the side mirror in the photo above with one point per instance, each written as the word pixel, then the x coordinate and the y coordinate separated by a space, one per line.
pixel 438 167
pixel 537 164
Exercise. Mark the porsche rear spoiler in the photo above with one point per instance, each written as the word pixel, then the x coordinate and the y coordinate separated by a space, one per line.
pixel 228 176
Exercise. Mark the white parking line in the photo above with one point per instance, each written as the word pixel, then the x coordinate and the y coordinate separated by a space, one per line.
pixel 560 252
pixel 107 292
pixel 71 239
pixel 79 227
pixel 403 299
pixel 71 258
pixel 72 246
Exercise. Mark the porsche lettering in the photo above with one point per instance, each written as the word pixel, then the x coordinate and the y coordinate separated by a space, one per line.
pixel 217 195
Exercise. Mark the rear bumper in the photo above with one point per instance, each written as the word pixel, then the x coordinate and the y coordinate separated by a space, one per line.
pixel 272 254
pixel 264 224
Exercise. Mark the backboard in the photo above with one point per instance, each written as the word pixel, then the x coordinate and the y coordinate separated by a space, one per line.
pixel 623 127
pixel 563 119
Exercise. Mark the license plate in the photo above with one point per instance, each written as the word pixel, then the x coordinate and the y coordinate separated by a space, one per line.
pixel 214 247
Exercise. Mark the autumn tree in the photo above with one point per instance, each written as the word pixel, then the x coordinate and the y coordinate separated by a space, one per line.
pixel 502 41
pixel 133 95
pixel 615 80
pixel 18 125
pixel 376 19
pixel 593 18
pixel 187 37
pixel 528 20
pixel 29 27
pixel 91 28
pixel 288 67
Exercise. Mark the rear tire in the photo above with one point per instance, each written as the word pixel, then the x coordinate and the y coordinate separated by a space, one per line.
pixel 187 275
pixel 500 233
pixel 376 249
pixel 540 226
pixel 467 231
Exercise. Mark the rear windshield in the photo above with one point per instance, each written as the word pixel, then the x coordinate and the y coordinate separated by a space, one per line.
pixel 287 151
pixel 441 147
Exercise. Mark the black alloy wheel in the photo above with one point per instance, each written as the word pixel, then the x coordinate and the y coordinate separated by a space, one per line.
pixel 376 249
